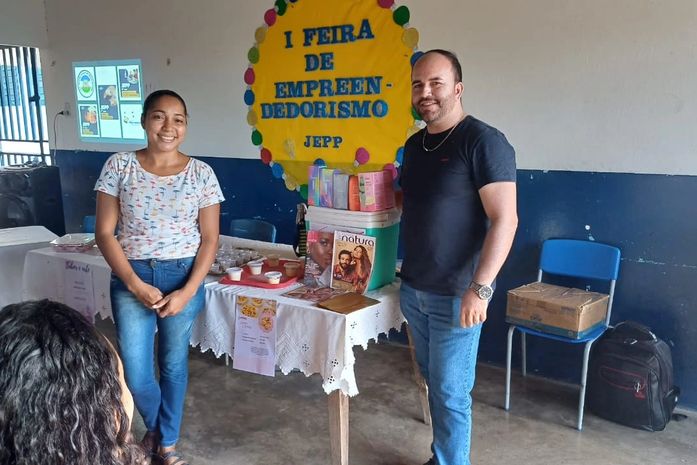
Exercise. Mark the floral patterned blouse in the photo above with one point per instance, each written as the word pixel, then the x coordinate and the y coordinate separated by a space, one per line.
pixel 158 214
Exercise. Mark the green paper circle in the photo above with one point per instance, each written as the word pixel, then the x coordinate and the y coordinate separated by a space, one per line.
pixel 281 7
pixel 401 15
pixel 253 55
pixel 256 138
pixel 303 191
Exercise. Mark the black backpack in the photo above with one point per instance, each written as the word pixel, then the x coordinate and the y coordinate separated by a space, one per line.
pixel 630 378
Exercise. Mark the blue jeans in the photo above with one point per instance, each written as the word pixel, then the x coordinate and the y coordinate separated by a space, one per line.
pixel 447 356
pixel 160 404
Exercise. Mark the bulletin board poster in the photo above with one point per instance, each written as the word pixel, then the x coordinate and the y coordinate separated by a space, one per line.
pixel 109 97
pixel 329 83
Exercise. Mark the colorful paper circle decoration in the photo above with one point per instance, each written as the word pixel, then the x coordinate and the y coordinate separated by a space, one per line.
pixel 329 83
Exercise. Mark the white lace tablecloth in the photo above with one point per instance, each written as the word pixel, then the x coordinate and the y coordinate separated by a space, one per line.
pixel 42 277
pixel 308 338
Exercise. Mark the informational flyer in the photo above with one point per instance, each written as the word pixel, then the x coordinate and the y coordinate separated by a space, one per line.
pixel 109 98
pixel 129 82
pixel 78 288
pixel 108 103
pixel 130 120
pixel 88 121
pixel 85 83
pixel 255 335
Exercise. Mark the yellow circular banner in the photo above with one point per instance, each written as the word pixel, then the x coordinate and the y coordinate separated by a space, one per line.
pixel 329 83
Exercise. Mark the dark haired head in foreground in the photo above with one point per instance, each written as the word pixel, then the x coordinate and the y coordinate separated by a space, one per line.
pixel 60 395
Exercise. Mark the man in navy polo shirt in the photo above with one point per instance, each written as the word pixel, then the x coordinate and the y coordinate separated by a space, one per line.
pixel 458 223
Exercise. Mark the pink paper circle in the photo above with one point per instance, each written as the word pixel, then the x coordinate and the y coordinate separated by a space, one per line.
pixel 362 156
pixel 249 76
pixel 270 17
pixel 386 3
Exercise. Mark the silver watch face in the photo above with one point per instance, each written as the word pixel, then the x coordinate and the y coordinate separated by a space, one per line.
pixel 485 292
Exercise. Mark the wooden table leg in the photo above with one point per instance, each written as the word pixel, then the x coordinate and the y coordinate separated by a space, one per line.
pixel 339 427
pixel 420 382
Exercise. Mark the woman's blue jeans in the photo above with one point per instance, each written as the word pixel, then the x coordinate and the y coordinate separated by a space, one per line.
pixel 161 404
pixel 447 356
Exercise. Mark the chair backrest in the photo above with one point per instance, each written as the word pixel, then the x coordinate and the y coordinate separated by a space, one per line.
pixel 248 228
pixel 89 223
pixel 581 259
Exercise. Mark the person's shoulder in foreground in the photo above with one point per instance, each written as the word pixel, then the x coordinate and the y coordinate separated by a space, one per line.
pixel 61 398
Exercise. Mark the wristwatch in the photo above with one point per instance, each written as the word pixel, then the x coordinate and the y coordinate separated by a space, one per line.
pixel 483 291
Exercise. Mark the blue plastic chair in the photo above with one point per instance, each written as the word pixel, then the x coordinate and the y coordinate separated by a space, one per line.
pixel 248 228
pixel 579 259
pixel 89 223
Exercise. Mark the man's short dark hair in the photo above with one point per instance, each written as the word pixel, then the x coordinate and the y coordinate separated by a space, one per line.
pixel 452 58
pixel 344 252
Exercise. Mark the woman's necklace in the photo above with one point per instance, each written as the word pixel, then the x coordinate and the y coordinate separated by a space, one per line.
pixel 423 139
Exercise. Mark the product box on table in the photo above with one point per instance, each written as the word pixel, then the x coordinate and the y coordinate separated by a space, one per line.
pixel 340 194
pixel 313 185
pixel 383 225
pixel 563 311
pixel 326 187
pixel 376 191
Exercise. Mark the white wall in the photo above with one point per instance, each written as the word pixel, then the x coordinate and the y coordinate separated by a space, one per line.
pixel 205 43
pixel 597 85
pixel 23 22
pixel 592 85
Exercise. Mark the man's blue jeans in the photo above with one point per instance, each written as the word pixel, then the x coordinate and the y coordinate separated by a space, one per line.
pixel 447 356
pixel 160 404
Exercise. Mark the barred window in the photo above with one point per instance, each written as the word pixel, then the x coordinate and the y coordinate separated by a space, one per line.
pixel 23 128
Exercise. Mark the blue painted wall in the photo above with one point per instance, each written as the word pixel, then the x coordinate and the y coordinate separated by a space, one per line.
pixel 651 218
pixel 249 188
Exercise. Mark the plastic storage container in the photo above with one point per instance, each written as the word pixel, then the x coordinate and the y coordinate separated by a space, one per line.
pixel 383 225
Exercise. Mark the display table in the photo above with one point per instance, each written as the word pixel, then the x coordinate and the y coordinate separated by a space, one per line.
pixel 309 339
pixel 44 276
pixel 14 245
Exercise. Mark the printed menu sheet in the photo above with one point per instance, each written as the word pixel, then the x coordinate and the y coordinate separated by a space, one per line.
pixel 255 335
pixel 79 288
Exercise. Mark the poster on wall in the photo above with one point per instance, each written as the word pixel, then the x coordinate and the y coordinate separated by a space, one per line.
pixel 129 82
pixel 130 120
pixel 87 120
pixel 110 101
pixel 342 98
pixel 84 83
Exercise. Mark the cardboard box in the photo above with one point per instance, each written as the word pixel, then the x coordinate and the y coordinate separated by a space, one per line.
pixel 563 311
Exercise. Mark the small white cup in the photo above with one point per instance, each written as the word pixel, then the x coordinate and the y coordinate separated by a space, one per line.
pixel 273 277
pixel 255 267
pixel 234 273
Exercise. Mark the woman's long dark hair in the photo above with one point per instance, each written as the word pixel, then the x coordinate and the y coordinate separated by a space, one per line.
pixel 365 260
pixel 60 397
